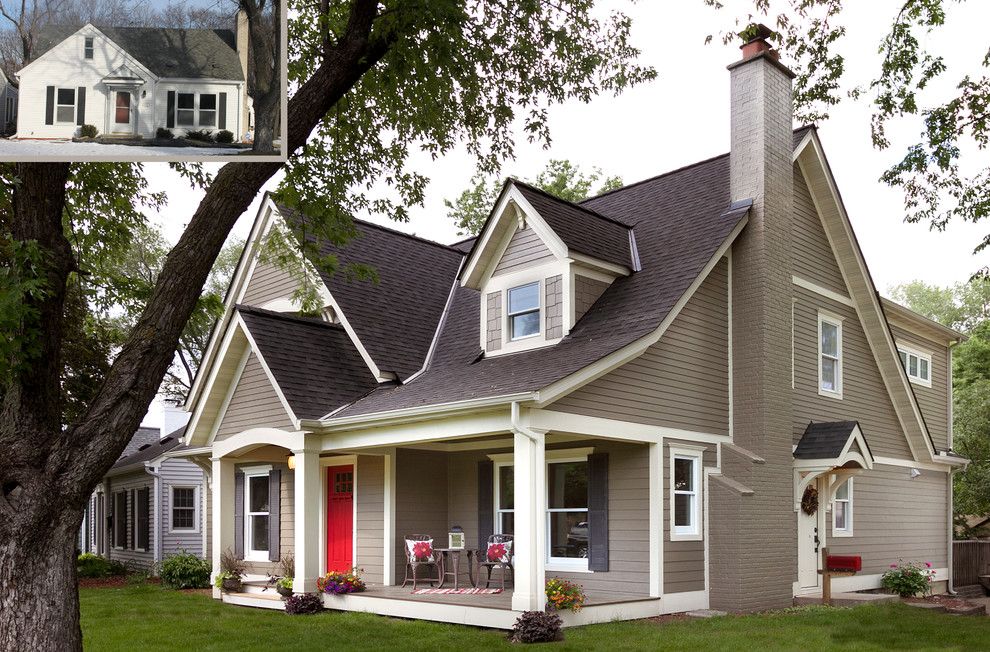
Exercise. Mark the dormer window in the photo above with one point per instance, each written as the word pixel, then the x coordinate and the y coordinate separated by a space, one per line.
pixel 88 47
pixel 524 311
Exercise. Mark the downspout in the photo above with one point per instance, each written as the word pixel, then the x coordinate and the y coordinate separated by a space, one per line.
pixel 517 425
pixel 950 586
pixel 157 548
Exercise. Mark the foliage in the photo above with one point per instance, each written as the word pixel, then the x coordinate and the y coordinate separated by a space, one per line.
pixel 164 133
pixel 537 627
pixel 560 178
pixel 971 439
pixel 564 594
pixel 185 571
pixel 224 136
pixel 284 583
pixel 908 579
pixel 88 131
pixel 281 576
pixel 230 564
pixel 304 603
pixel 90 565
pixel 201 135
pixel 337 583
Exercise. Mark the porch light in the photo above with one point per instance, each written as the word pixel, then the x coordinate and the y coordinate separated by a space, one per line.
pixel 291 461
pixel 455 538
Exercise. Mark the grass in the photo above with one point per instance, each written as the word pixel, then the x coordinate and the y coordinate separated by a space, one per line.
pixel 148 618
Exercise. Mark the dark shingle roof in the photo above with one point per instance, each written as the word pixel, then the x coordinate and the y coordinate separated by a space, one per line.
pixel 142 436
pixel 167 52
pixel 315 363
pixel 583 230
pixel 395 319
pixel 824 440
pixel 149 451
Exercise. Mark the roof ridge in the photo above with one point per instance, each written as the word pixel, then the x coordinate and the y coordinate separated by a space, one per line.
pixel 657 176
pixel 590 211
pixel 410 236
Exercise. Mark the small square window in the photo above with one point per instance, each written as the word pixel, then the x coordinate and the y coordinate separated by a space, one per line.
pixel 918 366
pixel 185 114
pixel 524 311
pixel 207 110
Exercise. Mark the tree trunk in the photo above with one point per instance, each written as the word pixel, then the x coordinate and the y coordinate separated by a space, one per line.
pixel 265 117
pixel 39 601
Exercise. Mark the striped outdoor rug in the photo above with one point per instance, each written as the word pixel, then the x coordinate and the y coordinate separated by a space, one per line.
pixel 456 591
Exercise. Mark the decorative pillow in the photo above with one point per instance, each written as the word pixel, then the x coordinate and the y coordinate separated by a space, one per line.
pixel 420 550
pixel 501 552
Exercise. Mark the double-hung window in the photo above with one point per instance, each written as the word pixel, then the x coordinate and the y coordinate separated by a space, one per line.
pixel 842 510
pixel 207 110
pixel 524 311
pixel 65 105
pixel 829 355
pixel 185 111
pixel 88 47
pixel 567 513
pixel 256 513
pixel 120 519
pixel 685 494
pixel 918 366
pixel 184 509
pixel 504 499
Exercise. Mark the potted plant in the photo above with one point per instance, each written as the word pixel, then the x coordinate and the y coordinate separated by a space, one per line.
pixel 231 571
pixel 338 583
pixel 281 579
pixel 562 594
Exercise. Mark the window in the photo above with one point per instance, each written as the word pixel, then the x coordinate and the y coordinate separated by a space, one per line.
pixel 185 113
pixel 184 509
pixel 120 519
pixel 685 482
pixel 829 356
pixel 567 513
pixel 256 514
pixel 207 110
pixel 524 311
pixel 504 499
pixel 122 112
pixel 918 366
pixel 88 47
pixel 842 510
pixel 65 105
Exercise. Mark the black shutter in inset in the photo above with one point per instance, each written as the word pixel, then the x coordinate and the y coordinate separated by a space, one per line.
pixel 170 115
pixel 598 512
pixel 239 515
pixel 486 502
pixel 222 119
pixel 129 538
pixel 50 105
pixel 143 519
pixel 111 525
pixel 274 513
pixel 81 105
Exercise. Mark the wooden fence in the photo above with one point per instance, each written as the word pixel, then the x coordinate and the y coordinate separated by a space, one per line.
pixel 970 559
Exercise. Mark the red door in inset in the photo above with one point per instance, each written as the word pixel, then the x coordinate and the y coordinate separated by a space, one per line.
pixel 340 518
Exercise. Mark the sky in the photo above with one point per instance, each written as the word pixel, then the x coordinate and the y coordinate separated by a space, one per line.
pixel 683 117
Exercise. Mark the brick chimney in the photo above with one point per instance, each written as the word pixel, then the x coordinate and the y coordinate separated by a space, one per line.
pixel 243 39
pixel 754 545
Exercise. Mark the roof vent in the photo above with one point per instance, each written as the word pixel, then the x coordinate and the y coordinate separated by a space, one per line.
pixel 144 447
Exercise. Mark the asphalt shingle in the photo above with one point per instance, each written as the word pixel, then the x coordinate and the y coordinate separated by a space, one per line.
pixel 824 440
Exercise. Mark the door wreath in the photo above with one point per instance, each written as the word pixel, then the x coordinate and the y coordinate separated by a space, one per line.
pixel 809 502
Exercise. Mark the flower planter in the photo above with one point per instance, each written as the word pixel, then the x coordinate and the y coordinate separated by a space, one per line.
pixel 232 585
pixel 283 591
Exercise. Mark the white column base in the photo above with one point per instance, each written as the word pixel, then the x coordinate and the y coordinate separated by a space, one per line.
pixel 308 501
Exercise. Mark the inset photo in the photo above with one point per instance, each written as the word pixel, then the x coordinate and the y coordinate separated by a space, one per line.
pixel 142 80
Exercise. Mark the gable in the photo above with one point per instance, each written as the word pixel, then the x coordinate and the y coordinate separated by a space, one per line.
pixel 934 400
pixel 812 256
pixel 59 56
pixel 525 249
pixel 268 282
pixel 254 403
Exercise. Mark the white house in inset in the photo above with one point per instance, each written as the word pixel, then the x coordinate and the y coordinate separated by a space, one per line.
pixel 8 103
pixel 130 81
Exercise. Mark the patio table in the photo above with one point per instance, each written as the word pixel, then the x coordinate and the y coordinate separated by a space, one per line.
pixel 454 555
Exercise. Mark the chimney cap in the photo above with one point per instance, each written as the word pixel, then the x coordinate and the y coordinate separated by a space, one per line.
pixel 756 32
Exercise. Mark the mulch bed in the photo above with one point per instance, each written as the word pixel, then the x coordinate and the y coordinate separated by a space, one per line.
pixel 950 604
pixel 109 582
pixel 668 618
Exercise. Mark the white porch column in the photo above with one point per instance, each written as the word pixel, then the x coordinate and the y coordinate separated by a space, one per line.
pixel 388 563
pixel 529 547
pixel 656 519
pixel 222 512
pixel 309 498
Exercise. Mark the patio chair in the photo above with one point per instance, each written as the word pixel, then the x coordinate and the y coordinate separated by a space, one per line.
pixel 498 555
pixel 420 553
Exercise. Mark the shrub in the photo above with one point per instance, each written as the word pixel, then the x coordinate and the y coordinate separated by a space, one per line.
pixel 537 627
pixel 116 568
pixel 202 135
pixel 164 133
pixel 337 583
pixel 90 565
pixel 304 603
pixel 562 594
pixel 88 131
pixel 224 136
pixel 231 568
pixel 185 571
pixel 908 580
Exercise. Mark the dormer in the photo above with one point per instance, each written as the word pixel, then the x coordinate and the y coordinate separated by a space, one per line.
pixel 540 263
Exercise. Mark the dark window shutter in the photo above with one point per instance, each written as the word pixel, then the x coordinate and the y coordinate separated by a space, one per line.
pixel 486 502
pixel 274 513
pixel 143 520
pixel 222 109
pixel 50 105
pixel 81 106
pixel 129 522
pixel 239 515
pixel 170 115
pixel 598 512
pixel 110 522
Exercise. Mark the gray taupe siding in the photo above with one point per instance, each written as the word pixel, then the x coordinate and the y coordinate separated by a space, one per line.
pixel 813 257
pixel 268 282
pixel 420 499
pixel 681 381
pixel 287 523
pixel 370 526
pixel 934 400
pixel 181 473
pixel 254 404
pixel 586 293
pixel 525 249
pixel 683 561
pixel 554 302
pixel 493 317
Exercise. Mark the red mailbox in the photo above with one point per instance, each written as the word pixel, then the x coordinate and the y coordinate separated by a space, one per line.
pixel 845 563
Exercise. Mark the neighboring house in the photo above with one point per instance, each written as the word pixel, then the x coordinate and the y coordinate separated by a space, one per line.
pixel 8 104
pixel 130 81
pixel 149 505
pixel 642 388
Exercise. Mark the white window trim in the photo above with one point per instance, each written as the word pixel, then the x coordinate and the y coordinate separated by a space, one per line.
pixel 540 309
pixel 503 282
pixel 694 532
pixel 75 105
pixel 215 110
pixel 848 530
pixel 117 514
pixel 834 320
pixel 920 355
pixel 134 521
pixel 250 554
pixel 171 509
pixel 91 48
pixel 498 507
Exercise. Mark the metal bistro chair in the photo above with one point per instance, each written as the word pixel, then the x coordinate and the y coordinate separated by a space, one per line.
pixel 503 563
pixel 431 558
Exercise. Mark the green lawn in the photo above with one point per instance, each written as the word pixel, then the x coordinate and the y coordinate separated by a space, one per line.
pixel 147 618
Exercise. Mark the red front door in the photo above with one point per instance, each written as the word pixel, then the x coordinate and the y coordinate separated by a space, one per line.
pixel 340 518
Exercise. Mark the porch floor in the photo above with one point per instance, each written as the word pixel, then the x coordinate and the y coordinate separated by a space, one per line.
pixel 501 600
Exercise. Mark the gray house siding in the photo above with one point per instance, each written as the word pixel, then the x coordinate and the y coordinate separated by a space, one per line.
pixel 525 249
pixel 129 483
pixel 254 404
pixel 268 282
pixel 370 528
pixel 286 532
pixel 812 255
pixel 934 400
pixel 420 499
pixel 681 381
pixel 180 473
pixel 683 561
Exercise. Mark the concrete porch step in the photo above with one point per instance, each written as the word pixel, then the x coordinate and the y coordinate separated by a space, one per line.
pixel 846 599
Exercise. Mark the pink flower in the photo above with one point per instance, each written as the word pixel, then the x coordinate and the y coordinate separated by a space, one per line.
pixel 893 565
pixel 928 564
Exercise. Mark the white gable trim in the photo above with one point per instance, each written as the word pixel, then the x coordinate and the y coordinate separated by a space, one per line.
pixel 268 372
pixel 234 382
pixel 210 373
pixel 91 30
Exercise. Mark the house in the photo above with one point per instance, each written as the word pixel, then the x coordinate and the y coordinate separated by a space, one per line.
pixel 149 505
pixel 675 394
pixel 8 104
pixel 131 81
